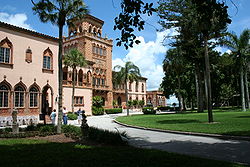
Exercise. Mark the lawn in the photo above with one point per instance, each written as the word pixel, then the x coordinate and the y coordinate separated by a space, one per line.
pixel 27 152
pixel 229 123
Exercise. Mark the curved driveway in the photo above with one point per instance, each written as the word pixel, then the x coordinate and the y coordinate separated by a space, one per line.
pixel 206 147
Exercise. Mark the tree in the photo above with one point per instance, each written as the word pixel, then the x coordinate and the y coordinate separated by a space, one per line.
pixel 128 73
pixel 60 12
pixel 74 58
pixel 240 49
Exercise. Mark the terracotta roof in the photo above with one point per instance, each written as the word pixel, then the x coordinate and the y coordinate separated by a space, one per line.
pixel 94 18
pixel 26 31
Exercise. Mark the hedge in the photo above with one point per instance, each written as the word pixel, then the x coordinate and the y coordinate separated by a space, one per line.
pixel 113 110
pixel 97 110
pixel 148 110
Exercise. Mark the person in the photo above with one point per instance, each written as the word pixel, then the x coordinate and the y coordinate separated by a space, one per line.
pixel 79 115
pixel 65 116
pixel 53 117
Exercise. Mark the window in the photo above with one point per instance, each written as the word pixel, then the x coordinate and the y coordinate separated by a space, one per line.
pixel 65 73
pixel 5 51
pixel 98 81
pixel 142 87
pixel 103 81
pixel 28 56
pixel 130 87
pixel 33 97
pixel 136 86
pixel 19 96
pixel 46 62
pixel 94 81
pixel 47 59
pixel 100 52
pixel 4 96
pixel 78 100
pixel 4 55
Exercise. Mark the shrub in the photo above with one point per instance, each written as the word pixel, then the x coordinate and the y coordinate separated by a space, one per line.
pixel 31 127
pixel 130 103
pixel 148 110
pixel 72 116
pixel 47 128
pixel 105 136
pixel 72 131
pixel 97 110
pixel 163 108
pixel 97 101
pixel 113 110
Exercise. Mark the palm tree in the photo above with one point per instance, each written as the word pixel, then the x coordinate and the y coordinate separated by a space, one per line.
pixel 240 48
pixel 60 12
pixel 74 58
pixel 128 73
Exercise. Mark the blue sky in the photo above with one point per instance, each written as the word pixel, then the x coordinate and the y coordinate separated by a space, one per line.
pixel 148 55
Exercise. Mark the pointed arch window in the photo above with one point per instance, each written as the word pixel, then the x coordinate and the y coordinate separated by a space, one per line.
pixel 19 96
pixel 6 51
pixel 4 96
pixel 33 97
pixel 136 86
pixel 47 59
pixel 142 87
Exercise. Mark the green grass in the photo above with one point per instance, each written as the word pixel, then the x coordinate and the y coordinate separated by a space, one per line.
pixel 229 123
pixel 26 152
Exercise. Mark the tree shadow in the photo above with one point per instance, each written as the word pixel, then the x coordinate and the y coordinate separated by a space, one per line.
pixel 179 121
pixel 246 116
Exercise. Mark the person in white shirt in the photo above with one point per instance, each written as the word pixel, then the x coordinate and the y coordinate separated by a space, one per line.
pixel 65 116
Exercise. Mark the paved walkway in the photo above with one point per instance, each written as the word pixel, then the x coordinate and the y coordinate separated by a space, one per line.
pixel 207 147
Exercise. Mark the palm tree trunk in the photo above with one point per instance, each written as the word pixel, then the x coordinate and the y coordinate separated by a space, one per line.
pixel 126 94
pixel 208 81
pixel 73 90
pixel 247 91
pixel 60 76
pixel 242 89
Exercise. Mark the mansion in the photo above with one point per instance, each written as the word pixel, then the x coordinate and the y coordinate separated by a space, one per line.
pixel 29 72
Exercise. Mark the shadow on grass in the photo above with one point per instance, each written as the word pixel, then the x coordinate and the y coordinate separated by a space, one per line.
pixel 247 116
pixel 178 121
pixel 68 154
pixel 239 133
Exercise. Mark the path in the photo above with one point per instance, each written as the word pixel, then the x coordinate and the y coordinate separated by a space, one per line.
pixel 206 147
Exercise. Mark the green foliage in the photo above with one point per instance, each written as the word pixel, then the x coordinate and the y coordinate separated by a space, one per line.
pixel 163 108
pixel 148 110
pixel 72 131
pixel 74 58
pixel 47 128
pixel 130 18
pixel 113 110
pixel 115 103
pixel 141 103
pixel 97 110
pixel 130 103
pixel 72 116
pixel 105 136
pixel 97 101
pixel 135 103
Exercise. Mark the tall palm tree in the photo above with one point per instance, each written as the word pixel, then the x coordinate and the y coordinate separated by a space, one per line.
pixel 60 12
pixel 74 58
pixel 240 49
pixel 128 73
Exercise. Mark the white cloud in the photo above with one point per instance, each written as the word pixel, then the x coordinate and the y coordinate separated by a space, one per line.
pixel 145 56
pixel 15 19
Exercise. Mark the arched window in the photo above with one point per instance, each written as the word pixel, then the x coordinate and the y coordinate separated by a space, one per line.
pixel 19 96
pixel 28 56
pixel 130 98
pixel 119 101
pixel 47 59
pixel 142 87
pixel 4 96
pixel 33 96
pixel 136 86
pixel 80 77
pixel 88 76
pixel 80 29
pixel 103 101
pixel 130 86
pixel 6 51
pixel 65 73
pixel 90 29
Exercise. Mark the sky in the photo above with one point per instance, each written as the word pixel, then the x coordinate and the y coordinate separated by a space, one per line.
pixel 148 55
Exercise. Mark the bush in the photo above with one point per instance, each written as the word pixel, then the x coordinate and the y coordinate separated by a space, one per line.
pixel 72 131
pixel 163 108
pixel 47 128
pixel 97 110
pixel 148 110
pixel 113 110
pixel 105 136
pixel 72 116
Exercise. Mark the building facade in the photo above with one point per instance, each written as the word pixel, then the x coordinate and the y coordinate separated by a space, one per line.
pixel 156 98
pixel 29 72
